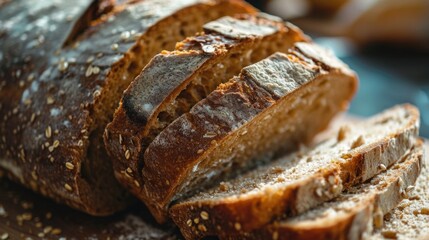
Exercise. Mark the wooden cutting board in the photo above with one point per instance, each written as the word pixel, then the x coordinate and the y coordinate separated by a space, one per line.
pixel 25 214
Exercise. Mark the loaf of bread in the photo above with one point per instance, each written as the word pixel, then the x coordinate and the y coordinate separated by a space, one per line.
pixel 64 67
pixel 160 94
pixel 294 184
pixel 357 211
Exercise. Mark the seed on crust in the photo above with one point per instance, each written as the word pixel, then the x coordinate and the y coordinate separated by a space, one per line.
pixel 68 187
pixel 204 215
pixel 237 226
pixel 69 165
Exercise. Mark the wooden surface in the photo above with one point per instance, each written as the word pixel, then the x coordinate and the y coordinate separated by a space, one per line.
pixel 25 214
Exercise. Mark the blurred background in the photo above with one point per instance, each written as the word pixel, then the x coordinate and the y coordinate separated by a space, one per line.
pixel 385 41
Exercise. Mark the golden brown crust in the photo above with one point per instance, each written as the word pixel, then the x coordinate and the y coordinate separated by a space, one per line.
pixel 158 85
pixel 260 208
pixel 55 95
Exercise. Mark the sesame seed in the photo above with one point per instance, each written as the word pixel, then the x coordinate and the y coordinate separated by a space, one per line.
pixel 382 167
pixel 200 151
pixel 90 59
pixel 33 116
pixel 41 235
pixel 80 143
pixel 69 165
pixel 125 35
pixel 56 231
pixel 56 143
pixel 51 148
pixel 95 70
pixel 30 77
pixel 4 236
pixel 209 135
pixel 47 229
pixel 237 226
pixel 96 93
pixel 275 235
pixel 48 132
pixel 34 175
pixel 189 222
pixel 202 228
pixel 50 100
pixel 136 183
pixel 127 154
pixel 204 215
pixel 62 65
pixel 115 46
pixel 68 187
pixel 120 139
pixel 243 133
pixel 129 170
pixel 196 220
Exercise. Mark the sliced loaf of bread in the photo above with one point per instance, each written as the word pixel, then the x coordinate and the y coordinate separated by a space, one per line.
pixel 266 110
pixel 174 81
pixel 295 183
pixel 355 213
pixel 410 219
pixel 64 66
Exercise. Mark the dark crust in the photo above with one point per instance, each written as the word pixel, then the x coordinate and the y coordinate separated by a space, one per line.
pixel 63 100
pixel 130 126
pixel 362 166
pixel 245 99
pixel 357 222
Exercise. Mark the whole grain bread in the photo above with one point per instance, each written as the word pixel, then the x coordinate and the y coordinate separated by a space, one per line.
pixel 299 182
pixel 160 94
pixel 410 219
pixel 357 211
pixel 268 109
pixel 64 67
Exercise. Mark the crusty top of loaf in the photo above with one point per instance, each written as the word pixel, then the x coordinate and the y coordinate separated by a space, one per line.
pixel 49 120
pixel 158 80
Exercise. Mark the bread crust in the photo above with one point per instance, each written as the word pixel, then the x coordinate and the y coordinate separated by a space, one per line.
pixel 130 133
pixel 53 121
pixel 256 210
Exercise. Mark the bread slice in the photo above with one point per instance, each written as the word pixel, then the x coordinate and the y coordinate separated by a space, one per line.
pixel 355 213
pixel 59 89
pixel 269 108
pixel 160 94
pixel 296 183
pixel 410 219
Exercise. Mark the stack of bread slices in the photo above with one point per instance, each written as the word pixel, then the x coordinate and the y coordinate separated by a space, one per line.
pixel 214 133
